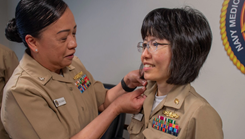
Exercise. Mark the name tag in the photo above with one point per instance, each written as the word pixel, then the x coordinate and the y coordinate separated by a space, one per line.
pixel 138 116
pixel 59 102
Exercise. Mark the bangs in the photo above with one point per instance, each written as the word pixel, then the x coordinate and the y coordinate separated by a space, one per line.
pixel 156 25
pixel 149 30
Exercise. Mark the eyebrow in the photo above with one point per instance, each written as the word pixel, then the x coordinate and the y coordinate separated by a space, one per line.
pixel 66 30
pixel 153 39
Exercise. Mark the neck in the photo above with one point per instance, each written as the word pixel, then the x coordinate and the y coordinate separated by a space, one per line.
pixel 163 88
pixel 45 64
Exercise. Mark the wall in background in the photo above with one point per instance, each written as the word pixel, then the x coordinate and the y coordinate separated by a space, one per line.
pixel 7 12
pixel 109 30
pixel 4 18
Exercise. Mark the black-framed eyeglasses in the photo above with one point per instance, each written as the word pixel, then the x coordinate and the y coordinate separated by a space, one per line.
pixel 151 46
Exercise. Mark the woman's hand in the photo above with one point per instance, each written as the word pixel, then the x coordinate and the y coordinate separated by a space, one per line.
pixel 126 103
pixel 130 102
pixel 132 79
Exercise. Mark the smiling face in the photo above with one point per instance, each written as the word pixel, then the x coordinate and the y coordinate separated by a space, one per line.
pixel 56 44
pixel 156 64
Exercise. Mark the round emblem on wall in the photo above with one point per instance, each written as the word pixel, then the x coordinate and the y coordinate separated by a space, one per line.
pixel 232 29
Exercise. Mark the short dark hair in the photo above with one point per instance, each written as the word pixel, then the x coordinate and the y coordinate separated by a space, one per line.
pixel 32 16
pixel 190 36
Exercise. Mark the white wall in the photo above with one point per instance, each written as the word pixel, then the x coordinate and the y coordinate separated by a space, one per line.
pixel 108 31
pixel 7 12
pixel 3 17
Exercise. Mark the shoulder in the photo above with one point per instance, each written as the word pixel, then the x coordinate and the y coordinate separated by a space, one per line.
pixel 194 98
pixel 205 118
pixel 199 105
pixel 21 82
pixel 202 116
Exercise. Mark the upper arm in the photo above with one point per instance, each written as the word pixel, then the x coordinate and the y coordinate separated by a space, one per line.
pixel 206 124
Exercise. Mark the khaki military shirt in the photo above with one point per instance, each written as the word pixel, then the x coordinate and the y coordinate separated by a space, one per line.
pixel 196 118
pixel 8 62
pixel 38 103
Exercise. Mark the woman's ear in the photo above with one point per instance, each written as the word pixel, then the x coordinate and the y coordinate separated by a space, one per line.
pixel 32 43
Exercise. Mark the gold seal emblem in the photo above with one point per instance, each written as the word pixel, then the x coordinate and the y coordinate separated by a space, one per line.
pixel 232 30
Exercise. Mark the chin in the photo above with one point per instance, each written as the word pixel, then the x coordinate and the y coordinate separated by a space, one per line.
pixel 66 64
pixel 151 78
pixel 148 78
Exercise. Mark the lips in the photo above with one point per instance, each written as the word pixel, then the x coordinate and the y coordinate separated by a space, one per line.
pixel 69 55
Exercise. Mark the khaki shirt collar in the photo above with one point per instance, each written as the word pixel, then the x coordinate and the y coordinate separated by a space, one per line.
pixel 177 93
pixel 148 103
pixel 40 73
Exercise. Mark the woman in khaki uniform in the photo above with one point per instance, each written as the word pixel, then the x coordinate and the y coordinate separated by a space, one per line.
pixel 178 42
pixel 8 62
pixel 51 95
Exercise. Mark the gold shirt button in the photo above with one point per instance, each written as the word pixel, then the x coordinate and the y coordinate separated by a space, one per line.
pixel 176 101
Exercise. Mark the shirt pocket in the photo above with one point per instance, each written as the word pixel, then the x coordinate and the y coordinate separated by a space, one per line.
pixel 135 127
pixel 151 133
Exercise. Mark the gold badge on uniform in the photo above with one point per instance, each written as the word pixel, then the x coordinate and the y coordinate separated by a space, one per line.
pixel 78 75
pixel 176 101
pixel 171 114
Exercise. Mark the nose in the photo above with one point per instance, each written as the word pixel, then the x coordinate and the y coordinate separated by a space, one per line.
pixel 72 43
pixel 145 54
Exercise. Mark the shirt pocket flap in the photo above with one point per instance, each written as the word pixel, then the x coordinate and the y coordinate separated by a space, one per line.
pixel 135 127
pixel 151 133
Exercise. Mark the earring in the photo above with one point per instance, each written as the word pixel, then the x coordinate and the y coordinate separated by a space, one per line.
pixel 36 50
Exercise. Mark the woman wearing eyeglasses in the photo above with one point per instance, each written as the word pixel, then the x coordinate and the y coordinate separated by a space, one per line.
pixel 176 43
